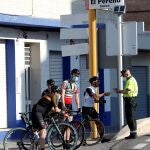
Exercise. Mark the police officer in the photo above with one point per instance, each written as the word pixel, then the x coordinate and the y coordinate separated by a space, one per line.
pixel 130 93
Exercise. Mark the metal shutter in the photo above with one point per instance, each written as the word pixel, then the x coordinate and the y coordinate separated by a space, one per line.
pixel 3 99
pixel 84 75
pixel 56 71
pixel 141 74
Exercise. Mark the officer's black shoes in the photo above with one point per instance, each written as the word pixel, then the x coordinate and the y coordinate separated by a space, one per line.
pixel 131 136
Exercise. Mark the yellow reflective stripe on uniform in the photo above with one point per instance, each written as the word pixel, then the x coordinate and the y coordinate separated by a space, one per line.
pixel 132 85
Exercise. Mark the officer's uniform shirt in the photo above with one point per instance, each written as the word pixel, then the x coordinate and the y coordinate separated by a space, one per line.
pixel 132 86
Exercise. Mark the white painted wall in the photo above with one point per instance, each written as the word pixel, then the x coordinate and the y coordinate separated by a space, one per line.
pixel 16 7
pixel 44 57
pixel 20 77
pixel 36 8
pixel 41 43
pixel 3 89
pixel 51 8
pixel 54 42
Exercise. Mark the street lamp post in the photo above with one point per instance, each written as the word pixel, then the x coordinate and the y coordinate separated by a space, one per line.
pixel 120 81
pixel 119 10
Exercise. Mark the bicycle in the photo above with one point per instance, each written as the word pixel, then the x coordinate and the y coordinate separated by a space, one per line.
pixel 25 138
pixel 86 130
pixel 17 138
pixel 55 133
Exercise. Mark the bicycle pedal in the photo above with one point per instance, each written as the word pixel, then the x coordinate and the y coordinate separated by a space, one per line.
pixel 84 143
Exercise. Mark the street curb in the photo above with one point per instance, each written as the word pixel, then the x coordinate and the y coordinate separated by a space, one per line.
pixel 143 128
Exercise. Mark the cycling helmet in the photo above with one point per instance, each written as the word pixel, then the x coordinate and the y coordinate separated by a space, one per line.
pixel 55 88
pixel 50 82
pixel 75 71
pixel 92 79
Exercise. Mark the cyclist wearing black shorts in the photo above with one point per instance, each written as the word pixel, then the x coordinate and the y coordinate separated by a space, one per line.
pixel 39 111
pixel 91 96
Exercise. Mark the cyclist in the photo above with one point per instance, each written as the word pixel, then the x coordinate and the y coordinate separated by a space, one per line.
pixel 50 83
pixel 91 96
pixel 39 111
pixel 69 89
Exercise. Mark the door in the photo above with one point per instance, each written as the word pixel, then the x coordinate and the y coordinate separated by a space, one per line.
pixel 55 67
pixel 141 75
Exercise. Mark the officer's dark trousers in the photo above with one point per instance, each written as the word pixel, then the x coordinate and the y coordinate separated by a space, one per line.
pixel 130 109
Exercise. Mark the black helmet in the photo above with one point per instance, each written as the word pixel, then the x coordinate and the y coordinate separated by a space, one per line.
pixel 50 82
pixel 92 79
pixel 75 71
pixel 55 88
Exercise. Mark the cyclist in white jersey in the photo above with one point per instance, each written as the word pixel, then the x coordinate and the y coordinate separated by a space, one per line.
pixel 90 97
pixel 69 89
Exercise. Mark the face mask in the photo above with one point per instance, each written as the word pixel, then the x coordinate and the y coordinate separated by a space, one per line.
pixel 75 79
pixel 124 79
pixel 95 84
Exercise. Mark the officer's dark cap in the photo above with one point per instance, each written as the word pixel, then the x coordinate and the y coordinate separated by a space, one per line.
pixel 124 71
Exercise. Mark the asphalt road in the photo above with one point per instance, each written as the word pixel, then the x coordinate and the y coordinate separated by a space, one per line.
pixel 141 143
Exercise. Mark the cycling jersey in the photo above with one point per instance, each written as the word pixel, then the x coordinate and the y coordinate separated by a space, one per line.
pixel 88 109
pixel 67 86
pixel 88 99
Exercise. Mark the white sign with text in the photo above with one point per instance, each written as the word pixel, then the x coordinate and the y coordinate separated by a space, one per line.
pixel 104 4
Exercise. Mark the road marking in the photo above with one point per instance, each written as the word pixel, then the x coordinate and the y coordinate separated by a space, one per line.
pixel 148 140
pixel 140 146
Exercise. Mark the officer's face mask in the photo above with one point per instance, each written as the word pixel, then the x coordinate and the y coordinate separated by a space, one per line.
pixel 124 79
pixel 96 83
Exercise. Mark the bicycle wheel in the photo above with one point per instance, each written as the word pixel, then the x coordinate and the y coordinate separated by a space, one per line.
pixel 56 139
pixel 29 142
pixel 93 131
pixel 13 139
pixel 80 130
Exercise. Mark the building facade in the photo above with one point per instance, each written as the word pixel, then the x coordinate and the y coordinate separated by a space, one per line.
pixel 30 54
pixel 138 11
pixel 30 49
